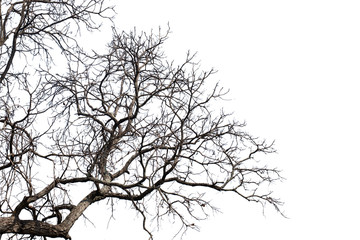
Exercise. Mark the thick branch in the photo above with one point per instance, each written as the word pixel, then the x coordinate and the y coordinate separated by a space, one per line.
pixel 37 228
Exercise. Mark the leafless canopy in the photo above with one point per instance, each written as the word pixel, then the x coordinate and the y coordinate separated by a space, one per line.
pixel 126 125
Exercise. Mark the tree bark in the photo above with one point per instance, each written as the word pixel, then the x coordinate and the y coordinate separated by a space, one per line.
pixel 31 227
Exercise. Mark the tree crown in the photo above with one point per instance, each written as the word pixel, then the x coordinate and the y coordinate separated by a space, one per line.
pixel 126 125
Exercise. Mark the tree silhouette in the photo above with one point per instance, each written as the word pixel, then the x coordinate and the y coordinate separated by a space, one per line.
pixel 123 125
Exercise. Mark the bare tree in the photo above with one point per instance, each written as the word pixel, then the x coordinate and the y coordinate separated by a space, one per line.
pixel 125 125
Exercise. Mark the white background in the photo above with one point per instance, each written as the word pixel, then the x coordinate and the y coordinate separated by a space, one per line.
pixel 293 71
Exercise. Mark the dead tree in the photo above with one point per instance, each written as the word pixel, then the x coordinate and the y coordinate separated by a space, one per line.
pixel 124 125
